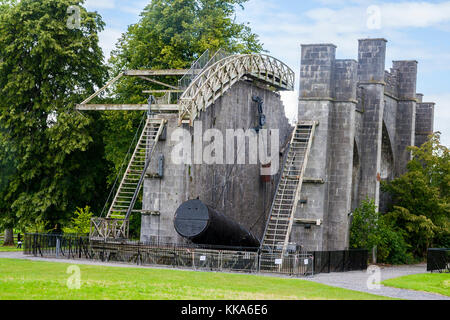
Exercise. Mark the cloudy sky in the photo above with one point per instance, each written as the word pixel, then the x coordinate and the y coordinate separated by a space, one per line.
pixel 415 30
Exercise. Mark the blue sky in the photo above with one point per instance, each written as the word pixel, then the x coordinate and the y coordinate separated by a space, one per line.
pixel 415 30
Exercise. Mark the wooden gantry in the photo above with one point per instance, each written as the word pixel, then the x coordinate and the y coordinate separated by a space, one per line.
pixel 198 89
pixel 208 86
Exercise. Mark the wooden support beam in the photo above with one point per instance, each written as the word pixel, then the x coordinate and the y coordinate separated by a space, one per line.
pixel 162 91
pixel 316 222
pixel 166 72
pixel 112 81
pixel 127 107
pixel 159 82
pixel 150 213
pixel 313 180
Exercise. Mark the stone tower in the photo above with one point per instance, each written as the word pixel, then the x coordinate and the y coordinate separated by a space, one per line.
pixel 367 118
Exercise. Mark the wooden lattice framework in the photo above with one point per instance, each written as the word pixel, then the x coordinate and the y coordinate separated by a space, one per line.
pixel 106 228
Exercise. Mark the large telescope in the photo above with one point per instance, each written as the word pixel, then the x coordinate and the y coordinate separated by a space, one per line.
pixel 201 224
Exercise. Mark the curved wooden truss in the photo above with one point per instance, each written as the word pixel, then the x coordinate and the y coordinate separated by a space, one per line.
pixel 218 78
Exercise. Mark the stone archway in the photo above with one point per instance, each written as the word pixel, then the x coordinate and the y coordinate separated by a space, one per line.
pixel 386 168
pixel 356 172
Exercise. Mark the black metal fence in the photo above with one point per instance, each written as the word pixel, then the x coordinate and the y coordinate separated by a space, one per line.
pixel 340 261
pixel 438 260
pixel 195 257
pixel 57 245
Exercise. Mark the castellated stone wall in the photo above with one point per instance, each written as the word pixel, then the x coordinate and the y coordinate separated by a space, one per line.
pixel 368 117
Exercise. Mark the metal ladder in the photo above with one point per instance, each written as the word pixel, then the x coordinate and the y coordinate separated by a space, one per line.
pixel 279 225
pixel 128 191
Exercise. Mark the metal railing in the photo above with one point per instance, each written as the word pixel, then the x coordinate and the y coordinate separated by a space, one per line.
pixel 2 238
pixel 438 259
pixel 206 60
pixel 340 261
pixel 196 257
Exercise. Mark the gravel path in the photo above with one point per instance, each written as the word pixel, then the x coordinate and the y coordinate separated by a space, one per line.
pixel 357 280
pixel 354 280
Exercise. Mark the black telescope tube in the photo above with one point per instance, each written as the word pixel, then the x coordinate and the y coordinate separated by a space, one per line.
pixel 201 224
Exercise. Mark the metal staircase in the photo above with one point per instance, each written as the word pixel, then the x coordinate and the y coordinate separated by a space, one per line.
pixel 279 225
pixel 115 225
pixel 126 196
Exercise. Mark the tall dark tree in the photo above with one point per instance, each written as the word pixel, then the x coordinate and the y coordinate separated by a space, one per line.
pixel 50 156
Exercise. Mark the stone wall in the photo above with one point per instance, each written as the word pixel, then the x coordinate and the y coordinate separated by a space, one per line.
pixel 232 189
pixel 424 122
pixel 367 119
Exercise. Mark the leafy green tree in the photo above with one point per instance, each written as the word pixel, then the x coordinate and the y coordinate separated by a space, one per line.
pixel 81 222
pixel 49 151
pixel 392 247
pixel 364 230
pixel 371 230
pixel 421 198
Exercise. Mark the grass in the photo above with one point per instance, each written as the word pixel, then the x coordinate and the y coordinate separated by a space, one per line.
pixel 9 249
pixel 37 280
pixel 429 282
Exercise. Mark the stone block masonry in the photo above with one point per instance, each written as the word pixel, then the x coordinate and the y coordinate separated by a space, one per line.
pixel 235 190
pixel 368 117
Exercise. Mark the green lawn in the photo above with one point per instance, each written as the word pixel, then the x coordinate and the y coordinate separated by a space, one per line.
pixel 9 249
pixel 22 279
pixel 429 282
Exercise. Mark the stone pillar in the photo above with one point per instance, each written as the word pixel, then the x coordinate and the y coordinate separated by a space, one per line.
pixel 424 122
pixel 406 113
pixel 341 155
pixel 316 103
pixel 419 97
pixel 371 67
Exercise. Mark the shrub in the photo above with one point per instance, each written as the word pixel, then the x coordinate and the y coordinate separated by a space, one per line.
pixel 81 223
pixel 370 229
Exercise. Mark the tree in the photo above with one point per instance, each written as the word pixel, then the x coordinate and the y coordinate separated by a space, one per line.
pixel 81 222
pixel 371 230
pixel 421 197
pixel 48 150
pixel 364 229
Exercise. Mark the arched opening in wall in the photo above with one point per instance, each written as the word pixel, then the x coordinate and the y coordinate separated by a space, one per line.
pixel 387 168
pixel 355 176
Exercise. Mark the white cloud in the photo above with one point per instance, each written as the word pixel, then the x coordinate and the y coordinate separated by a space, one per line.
pixel 134 7
pixel 290 101
pixel 342 2
pixel 100 4
pixel 414 14
pixel 441 115
pixel 108 39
